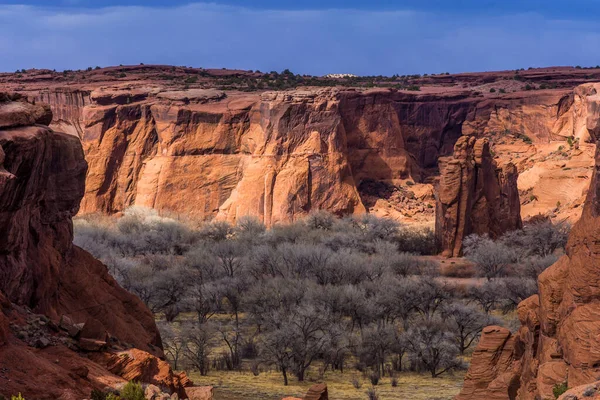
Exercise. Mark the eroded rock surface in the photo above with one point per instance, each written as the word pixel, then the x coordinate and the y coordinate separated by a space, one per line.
pixel 474 196
pixel 559 336
pixel 58 305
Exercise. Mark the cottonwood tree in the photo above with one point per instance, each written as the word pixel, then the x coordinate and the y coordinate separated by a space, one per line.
pixel 431 346
pixel 174 343
pixel 465 323
pixel 491 258
pixel 294 339
pixel 488 295
pixel 515 290
pixel 276 349
pixel 377 344
pixel 199 342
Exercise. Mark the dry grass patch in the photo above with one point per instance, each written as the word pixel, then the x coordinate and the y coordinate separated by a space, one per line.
pixel 268 386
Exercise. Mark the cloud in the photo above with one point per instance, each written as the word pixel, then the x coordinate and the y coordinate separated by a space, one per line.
pixel 306 41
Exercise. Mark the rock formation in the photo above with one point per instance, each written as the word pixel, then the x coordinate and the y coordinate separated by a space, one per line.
pixel 59 307
pixel 42 177
pixel 315 392
pixel 559 336
pixel 474 196
pixel 151 141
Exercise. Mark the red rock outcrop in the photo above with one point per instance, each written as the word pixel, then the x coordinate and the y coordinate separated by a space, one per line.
pixel 42 175
pixel 315 392
pixel 474 195
pixel 559 336
pixel 139 366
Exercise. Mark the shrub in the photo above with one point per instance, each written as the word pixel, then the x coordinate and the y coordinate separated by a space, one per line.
pixel 559 389
pixel 372 394
pixel 356 383
pixel 492 90
pixel 394 382
pixel 374 378
pixel 18 397
pixel 132 391
pixel 491 258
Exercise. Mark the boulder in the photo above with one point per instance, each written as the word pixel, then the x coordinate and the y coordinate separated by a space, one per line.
pixel 317 392
pixel 140 366
pixel 200 393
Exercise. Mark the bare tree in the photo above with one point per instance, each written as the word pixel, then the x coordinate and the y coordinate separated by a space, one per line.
pixel 199 342
pixel 487 295
pixel 466 322
pixel 516 290
pixel 174 343
pixel 491 258
pixel 431 346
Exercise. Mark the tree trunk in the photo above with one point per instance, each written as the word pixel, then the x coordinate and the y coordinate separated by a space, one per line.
pixel 285 378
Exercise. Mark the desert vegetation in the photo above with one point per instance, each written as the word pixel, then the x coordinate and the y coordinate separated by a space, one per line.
pixel 357 295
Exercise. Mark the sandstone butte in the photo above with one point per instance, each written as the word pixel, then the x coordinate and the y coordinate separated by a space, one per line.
pixel 559 338
pixel 151 140
pixel 66 327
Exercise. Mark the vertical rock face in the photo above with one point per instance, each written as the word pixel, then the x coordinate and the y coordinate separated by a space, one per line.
pixel 278 155
pixel 559 338
pixel 474 196
pixel 42 178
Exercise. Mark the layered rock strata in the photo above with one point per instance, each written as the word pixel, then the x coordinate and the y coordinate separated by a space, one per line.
pixel 58 305
pixel 474 196
pixel 559 337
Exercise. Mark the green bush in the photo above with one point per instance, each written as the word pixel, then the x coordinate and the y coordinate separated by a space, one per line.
pixel 559 389
pixel 19 397
pixel 492 90
pixel 133 391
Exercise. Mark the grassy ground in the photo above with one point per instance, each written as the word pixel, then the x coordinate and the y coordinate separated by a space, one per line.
pixel 269 386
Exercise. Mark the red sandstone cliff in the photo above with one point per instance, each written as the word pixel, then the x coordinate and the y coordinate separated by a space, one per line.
pixel 559 336
pixel 277 155
pixel 57 303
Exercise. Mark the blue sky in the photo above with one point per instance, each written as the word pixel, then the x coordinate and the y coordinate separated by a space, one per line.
pixel 307 36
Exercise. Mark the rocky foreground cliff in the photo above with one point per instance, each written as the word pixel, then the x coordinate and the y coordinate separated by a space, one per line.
pixel 154 136
pixel 559 337
pixel 65 324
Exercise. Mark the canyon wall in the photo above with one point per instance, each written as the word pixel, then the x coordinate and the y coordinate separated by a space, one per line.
pixel 278 155
pixel 58 305
pixel 559 336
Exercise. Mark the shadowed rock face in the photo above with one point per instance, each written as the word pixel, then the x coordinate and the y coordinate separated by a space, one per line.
pixel 474 196
pixel 559 338
pixel 42 176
